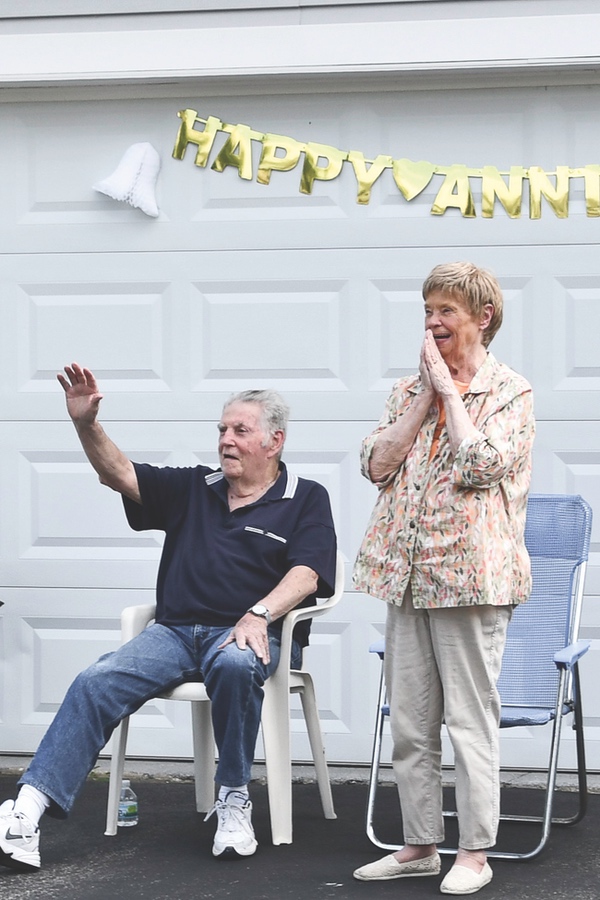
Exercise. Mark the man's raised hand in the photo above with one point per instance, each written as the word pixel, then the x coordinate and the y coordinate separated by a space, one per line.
pixel 82 394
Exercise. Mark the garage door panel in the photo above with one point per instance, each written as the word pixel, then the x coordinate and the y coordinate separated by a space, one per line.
pixel 47 636
pixel 395 327
pixel 567 461
pixel 98 320
pixel 64 153
pixel 59 526
pixel 576 323
pixel 49 642
pixel 59 491
pixel 280 334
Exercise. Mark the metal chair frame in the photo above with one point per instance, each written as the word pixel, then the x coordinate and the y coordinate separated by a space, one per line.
pixel 568 690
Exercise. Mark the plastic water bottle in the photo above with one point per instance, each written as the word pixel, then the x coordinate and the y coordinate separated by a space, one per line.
pixel 128 806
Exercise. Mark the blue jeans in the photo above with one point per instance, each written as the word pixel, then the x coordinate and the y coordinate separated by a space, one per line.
pixel 119 683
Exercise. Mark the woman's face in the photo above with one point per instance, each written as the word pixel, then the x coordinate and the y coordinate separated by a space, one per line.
pixel 457 333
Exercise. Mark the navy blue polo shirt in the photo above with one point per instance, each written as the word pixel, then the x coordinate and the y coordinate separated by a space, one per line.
pixel 217 563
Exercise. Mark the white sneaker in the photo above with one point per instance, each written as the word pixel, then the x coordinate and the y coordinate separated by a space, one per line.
pixel 19 839
pixel 235 834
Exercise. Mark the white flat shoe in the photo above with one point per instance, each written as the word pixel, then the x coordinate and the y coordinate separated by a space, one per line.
pixel 387 868
pixel 462 880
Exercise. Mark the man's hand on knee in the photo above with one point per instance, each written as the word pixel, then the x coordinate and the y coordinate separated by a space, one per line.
pixel 251 631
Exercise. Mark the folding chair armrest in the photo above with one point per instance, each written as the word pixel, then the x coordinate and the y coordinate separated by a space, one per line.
pixel 134 619
pixel 568 656
pixel 378 647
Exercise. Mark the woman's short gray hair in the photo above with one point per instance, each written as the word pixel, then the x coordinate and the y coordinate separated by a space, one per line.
pixel 275 411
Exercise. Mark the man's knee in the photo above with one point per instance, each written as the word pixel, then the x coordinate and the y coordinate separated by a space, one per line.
pixel 236 665
pixel 95 674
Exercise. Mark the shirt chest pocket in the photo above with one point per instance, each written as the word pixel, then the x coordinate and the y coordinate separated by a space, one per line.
pixel 269 535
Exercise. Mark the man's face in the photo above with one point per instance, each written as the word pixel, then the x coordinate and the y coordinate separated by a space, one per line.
pixel 245 449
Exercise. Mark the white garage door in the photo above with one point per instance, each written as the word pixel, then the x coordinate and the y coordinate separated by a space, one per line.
pixel 239 284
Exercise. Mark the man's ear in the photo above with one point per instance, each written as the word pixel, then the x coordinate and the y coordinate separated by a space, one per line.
pixel 276 443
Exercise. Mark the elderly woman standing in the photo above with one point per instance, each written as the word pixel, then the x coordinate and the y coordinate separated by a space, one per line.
pixel 445 549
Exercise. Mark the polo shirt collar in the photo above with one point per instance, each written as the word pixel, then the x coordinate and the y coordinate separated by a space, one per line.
pixel 284 488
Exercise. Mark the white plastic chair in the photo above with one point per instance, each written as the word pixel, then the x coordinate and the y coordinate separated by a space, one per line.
pixel 275 722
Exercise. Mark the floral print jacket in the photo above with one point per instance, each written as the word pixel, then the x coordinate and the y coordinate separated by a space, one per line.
pixel 454 527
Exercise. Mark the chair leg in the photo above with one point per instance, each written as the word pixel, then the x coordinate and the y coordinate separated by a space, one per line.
pixel 374 776
pixel 204 755
pixel 275 722
pixel 582 789
pixel 117 764
pixel 580 743
pixel 545 820
pixel 315 736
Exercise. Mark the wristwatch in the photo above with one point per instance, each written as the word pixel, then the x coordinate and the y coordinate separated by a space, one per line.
pixel 259 610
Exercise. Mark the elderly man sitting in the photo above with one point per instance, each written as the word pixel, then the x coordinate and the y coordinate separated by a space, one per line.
pixel 243 545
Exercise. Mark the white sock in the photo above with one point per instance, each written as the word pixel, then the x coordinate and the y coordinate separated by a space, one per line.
pixel 31 803
pixel 236 795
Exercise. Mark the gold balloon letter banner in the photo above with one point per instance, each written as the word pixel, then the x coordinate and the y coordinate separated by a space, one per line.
pixel 324 163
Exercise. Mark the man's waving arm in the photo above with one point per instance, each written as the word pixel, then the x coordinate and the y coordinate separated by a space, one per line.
pixel 83 402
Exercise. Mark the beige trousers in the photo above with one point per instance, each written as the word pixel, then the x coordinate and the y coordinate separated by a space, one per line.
pixel 443 665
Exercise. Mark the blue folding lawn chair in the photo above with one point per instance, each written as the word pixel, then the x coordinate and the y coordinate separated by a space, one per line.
pixel 539 683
